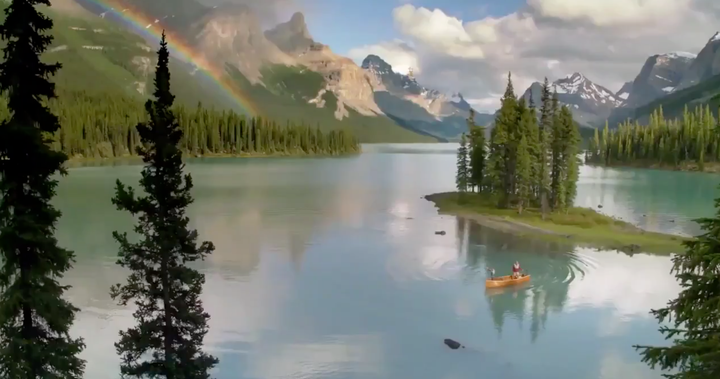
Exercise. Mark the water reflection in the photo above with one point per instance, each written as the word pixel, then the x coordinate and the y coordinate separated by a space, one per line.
pixel 332 268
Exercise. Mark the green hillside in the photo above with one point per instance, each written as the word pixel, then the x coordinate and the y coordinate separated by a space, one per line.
pixel 101 57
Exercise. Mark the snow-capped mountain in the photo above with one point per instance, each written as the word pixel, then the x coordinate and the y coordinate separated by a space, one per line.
pixel 409 103
pixel 705 65
pixel 433 101
pixel 660 75
pixel 588 101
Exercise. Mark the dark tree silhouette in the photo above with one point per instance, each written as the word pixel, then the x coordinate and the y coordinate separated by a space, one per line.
pixel 171 322
pixel 34 317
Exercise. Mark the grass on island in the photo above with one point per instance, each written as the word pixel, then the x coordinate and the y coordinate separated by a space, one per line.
pixel 582 226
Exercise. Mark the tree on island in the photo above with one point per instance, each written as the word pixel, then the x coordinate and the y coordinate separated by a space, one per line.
pixel 695 330
pixel 167 342
pixel 477 153
pixel 527 164
pixel 35 319
pixel 462 176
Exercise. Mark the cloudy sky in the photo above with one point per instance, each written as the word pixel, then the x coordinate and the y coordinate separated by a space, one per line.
pixel 470 45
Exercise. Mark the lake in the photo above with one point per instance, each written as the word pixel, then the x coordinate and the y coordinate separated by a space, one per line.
pixel 330 268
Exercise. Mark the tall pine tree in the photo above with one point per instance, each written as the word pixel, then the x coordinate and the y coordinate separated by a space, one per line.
pixel 524 174
pixel 545 128
pixel 462 175
pixel 503 146
pixel 34 317
pixel 167 342
pixel 695 329
pixel 477 153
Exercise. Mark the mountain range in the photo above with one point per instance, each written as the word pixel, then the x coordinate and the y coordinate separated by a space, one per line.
pixel 284 73
pixel 280 73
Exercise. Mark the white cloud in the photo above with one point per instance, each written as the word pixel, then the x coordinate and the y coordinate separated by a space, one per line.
pixel 607 40
pixel 612 12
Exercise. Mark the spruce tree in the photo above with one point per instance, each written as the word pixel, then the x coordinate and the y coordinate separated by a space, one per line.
pixel 462 177
pixel 545 127
pixel 695 329
pixel 571 142
pixel 477 153
pixel 524 174
pixel 556 150
pixel 34 317
pixel 503 146
pixel 171 323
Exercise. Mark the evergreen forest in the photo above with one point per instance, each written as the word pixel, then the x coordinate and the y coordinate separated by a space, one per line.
pixel 529 161
pixel 688 142
pixel 103 126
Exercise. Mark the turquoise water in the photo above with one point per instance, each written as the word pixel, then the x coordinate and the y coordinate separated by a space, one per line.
pixel 330 268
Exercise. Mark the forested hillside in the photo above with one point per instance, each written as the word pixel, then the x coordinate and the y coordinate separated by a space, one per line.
pixel 103 126
pixel 691 142
pixel 106 60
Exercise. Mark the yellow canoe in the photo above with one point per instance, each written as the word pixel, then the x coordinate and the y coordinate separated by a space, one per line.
pixel 507 280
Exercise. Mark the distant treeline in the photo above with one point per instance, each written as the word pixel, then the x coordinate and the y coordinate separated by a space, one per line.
pixel 103 126
pixel 693 139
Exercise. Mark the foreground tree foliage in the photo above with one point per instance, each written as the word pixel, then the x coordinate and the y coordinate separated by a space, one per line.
pixel 525 163
pixel 693 139
pixel 103 126
pixel 167 341
pixel 34 317
pixel 695 313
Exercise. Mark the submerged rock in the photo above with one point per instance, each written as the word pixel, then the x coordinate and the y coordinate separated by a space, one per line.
pixel 453 344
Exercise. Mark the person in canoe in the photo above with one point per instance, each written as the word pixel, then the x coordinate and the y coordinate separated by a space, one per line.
pixel 516 270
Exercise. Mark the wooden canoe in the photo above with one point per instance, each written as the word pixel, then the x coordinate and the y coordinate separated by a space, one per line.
pixel 507 280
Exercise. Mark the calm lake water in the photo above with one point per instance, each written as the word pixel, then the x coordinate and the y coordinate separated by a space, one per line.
pixel 330 268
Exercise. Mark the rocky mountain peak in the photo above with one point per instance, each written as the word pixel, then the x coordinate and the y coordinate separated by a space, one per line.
pixel 232 33
pixel 704 66
pixel 292 37
pixel 715 37
pixel 577 84
pixel 588 101
pixel 376 64
pixel 297 22
pixel 660 75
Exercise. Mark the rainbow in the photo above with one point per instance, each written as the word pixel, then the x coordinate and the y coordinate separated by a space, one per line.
pixel 149 27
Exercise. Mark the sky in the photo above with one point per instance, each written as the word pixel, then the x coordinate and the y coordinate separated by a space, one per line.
pixel 469 46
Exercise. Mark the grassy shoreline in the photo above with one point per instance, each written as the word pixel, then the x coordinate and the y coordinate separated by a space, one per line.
pixel 710 167
pixel 80 161
pixel 582 226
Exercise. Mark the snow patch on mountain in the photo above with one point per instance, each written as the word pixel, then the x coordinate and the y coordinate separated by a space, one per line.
pixel 578 84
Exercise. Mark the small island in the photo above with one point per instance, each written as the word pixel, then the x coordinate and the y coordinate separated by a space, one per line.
pixel 581 226
pixel 523 180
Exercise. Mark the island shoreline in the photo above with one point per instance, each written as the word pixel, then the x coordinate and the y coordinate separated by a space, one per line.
pixel 614 235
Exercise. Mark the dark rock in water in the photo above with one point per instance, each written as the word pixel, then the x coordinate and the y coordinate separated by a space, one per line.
pixel 672 220
pixel 440 232
pixel 630 249
pixel 600 206
pixel 453 344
